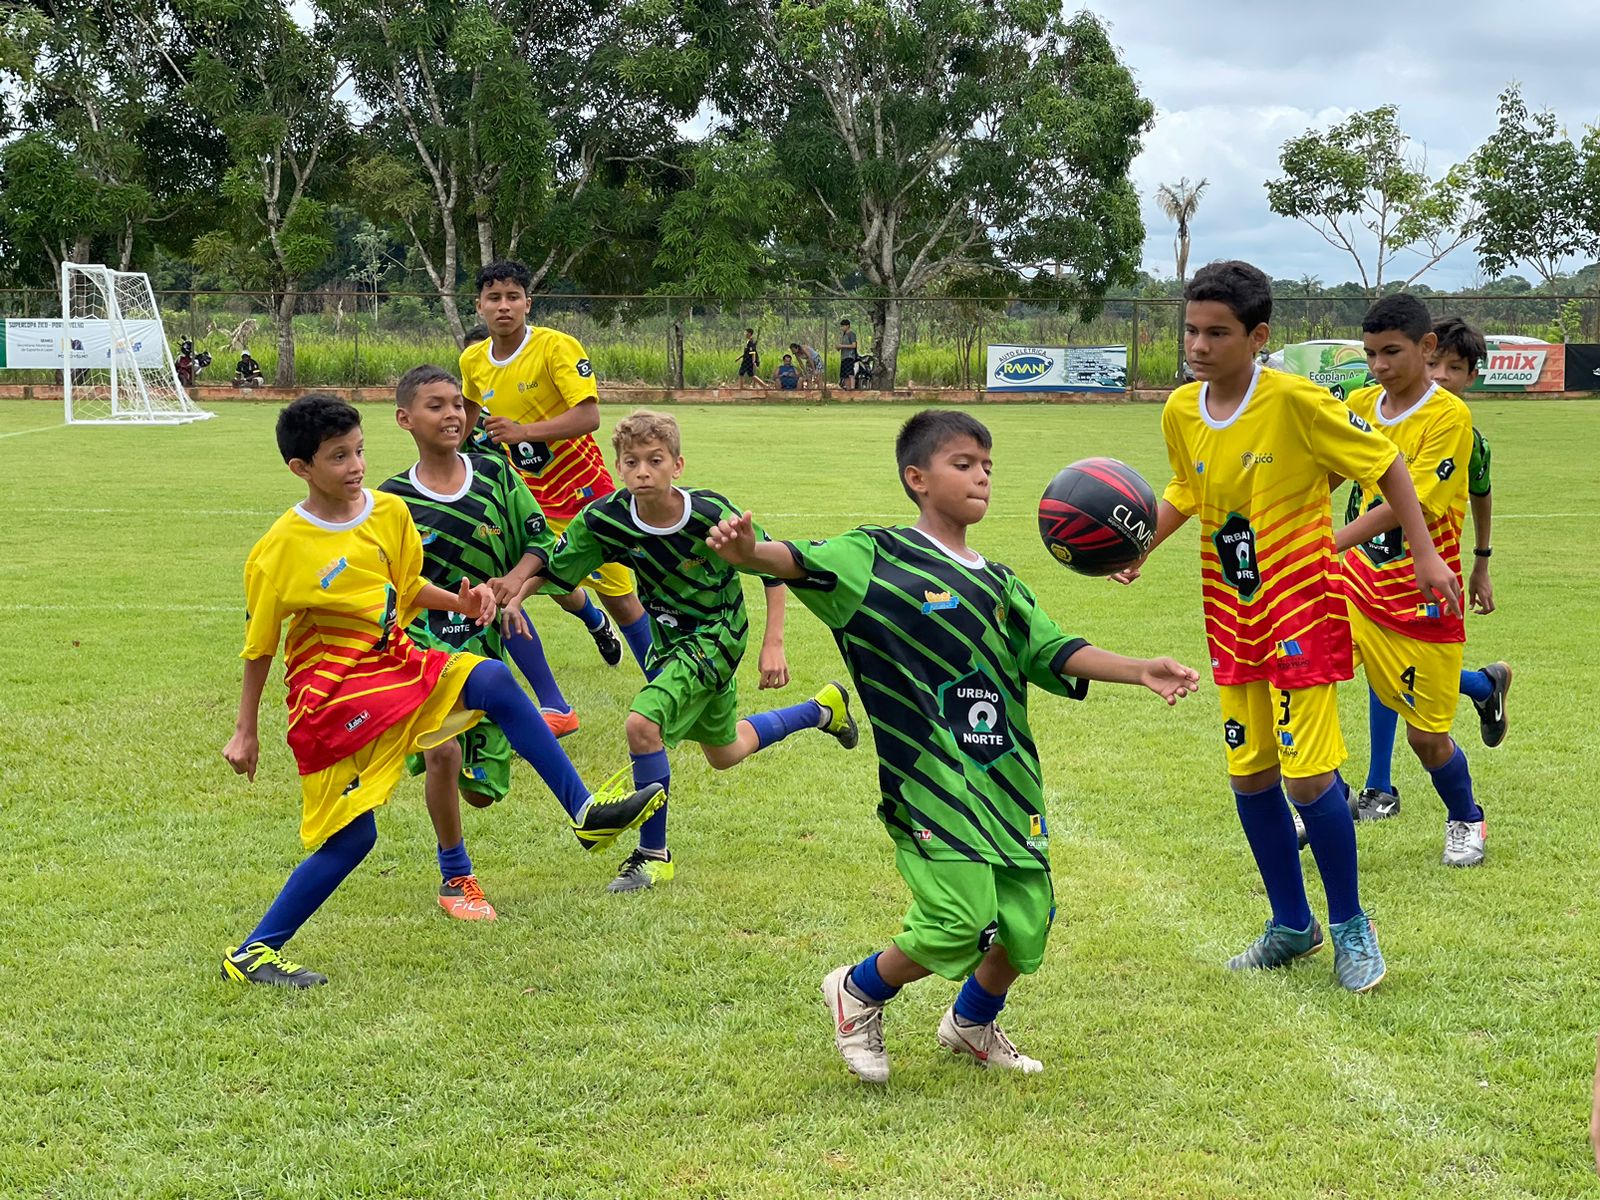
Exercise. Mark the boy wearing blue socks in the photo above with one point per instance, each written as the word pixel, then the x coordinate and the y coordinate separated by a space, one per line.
pixel 696 602
pixel 943 645
pixel 344 569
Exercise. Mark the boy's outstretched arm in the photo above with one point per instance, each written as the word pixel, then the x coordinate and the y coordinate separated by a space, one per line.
pixel 1434 578
pixel 472 600
pixel 1480 591
pixel 773 662
pixel 1166 677
pixel 734 538
pixel 243 750
pixel 511 588
pixel 1169 519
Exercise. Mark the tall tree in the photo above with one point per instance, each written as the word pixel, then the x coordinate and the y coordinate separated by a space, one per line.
pixel 991 136
pixel 1179 202
pixel 1358 185
pixel 1529 184
pixel 272 87
pixel 107 158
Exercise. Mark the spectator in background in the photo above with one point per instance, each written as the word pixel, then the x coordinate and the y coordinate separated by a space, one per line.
pixel 848 356
pixel 810 363
pixel 788 374
pixel 247 372
pixel 750 361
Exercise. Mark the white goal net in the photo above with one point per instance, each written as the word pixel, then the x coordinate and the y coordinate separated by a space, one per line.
pixel 116 365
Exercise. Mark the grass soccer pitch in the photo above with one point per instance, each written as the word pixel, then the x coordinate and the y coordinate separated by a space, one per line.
pixel 674 1042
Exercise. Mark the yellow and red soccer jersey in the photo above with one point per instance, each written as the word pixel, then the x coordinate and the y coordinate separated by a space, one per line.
pixel 1259 484
pixel 1435 435
pixel 548 374
pixel 347 591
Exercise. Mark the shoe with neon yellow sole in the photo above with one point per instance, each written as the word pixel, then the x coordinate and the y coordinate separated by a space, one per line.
pixel 641 870
pixel 613 810
pixel 835 701
pixel 260 963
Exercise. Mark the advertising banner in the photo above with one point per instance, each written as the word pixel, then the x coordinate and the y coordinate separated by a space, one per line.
pixel 1057 369
pixel 35 344
pixel 1582 372
pixel 1341 369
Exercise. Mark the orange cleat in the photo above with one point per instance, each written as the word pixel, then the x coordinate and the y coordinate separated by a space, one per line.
pixel 463 899
pixel 561 723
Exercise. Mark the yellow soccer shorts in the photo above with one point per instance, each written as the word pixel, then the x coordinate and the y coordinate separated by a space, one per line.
pixel 612 579
pixel 1419 680
pixel 1297 731
pixel 333 797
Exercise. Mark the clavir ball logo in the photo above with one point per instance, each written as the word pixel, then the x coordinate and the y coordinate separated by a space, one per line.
pixel 1027 364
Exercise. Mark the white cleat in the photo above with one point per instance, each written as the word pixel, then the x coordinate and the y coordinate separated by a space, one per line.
pixel 857 1028
pixel 987 1045
pixel 1464 843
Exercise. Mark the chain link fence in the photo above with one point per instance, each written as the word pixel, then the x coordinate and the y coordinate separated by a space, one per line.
pixel 349 339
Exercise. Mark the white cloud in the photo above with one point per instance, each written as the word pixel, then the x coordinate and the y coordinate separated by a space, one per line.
pixel 1233 80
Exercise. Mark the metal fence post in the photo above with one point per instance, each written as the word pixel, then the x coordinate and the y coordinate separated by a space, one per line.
pixel 356 365
pixel 1133 352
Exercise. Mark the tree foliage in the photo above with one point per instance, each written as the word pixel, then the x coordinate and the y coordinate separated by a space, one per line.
pixel 1360 187
pixel 1534 202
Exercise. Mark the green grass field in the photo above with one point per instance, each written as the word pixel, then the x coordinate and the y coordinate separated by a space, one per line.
pixel 674 1043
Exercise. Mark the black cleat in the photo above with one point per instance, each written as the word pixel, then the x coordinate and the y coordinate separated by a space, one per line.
pixel 606 641
pixel 1492 720
pixel 260 963
pixel 610 812
pixel 1375 805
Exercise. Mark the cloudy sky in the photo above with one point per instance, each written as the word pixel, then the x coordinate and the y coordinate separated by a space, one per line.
pixel 1232 80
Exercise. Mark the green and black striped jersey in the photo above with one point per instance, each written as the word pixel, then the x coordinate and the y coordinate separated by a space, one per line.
pixel 1478 465
pixel 480 532
pixel 942 651
pixel 695 599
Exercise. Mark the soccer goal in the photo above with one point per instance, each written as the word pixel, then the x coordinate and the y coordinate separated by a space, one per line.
pixel 116 365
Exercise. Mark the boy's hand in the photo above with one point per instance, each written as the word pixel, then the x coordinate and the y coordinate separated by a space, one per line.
pixel 1169 679
pixel 243 752
pixel 503 429
pixel 774 666
pixel 1480 590
pixel 1127 575
pixel 1436 581
pixel 478 601
pixel 514 623
pixel 734 538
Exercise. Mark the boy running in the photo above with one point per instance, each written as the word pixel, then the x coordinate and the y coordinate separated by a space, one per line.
pixel 344 568
pixel 476 520
pixel 943 644
pixel 1454 367
pixel 1251 452
pixel 697 602
pixel 540 405
pixel 1412 652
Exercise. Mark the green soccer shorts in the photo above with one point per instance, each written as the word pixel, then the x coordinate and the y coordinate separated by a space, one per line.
pixel 485 762
pixel 960 908
pixel 686 708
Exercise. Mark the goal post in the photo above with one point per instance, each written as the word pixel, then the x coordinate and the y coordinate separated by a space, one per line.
pixel 116 364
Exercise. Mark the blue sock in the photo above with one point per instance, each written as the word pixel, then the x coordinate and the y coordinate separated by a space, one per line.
pixel 590 614
pixel 1269 829
pixel 779 723
pixel 647 769
pixel 492 689
pixel 976 1004
pixel 1382 721
pixel 637 635
pixel 1476 686
pixel 454 863
pixel 313 881
pixel 1453 782
pixel 1332 833
pixel 528 654
pixel 865 981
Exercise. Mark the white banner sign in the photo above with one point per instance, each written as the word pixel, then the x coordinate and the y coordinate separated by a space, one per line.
pixel 1057 369
pixel 36 344
pixel 1513 366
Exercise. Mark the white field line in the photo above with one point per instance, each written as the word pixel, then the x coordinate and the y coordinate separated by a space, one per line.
pixel 36 429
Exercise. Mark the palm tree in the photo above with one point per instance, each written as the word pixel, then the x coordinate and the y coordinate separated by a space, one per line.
pixel 1179 201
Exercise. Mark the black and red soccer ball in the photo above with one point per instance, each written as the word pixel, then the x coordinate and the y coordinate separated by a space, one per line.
pixel 1097 516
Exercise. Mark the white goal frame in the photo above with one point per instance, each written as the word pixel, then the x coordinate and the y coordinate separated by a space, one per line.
pixel 126 387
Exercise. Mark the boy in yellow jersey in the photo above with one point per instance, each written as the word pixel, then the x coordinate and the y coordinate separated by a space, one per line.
pixel 344 568
pixel 1412 652
pixel 1251 452
pixel 540 406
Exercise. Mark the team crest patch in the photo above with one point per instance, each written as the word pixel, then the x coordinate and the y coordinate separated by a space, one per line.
pixel 1062 553
pixel 974 710
pixel 1360 424
pixel 1000 613
pixel 332 571
pixel 1233 733
pixel 938 601
pixel 584 368
pixel 1446 469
